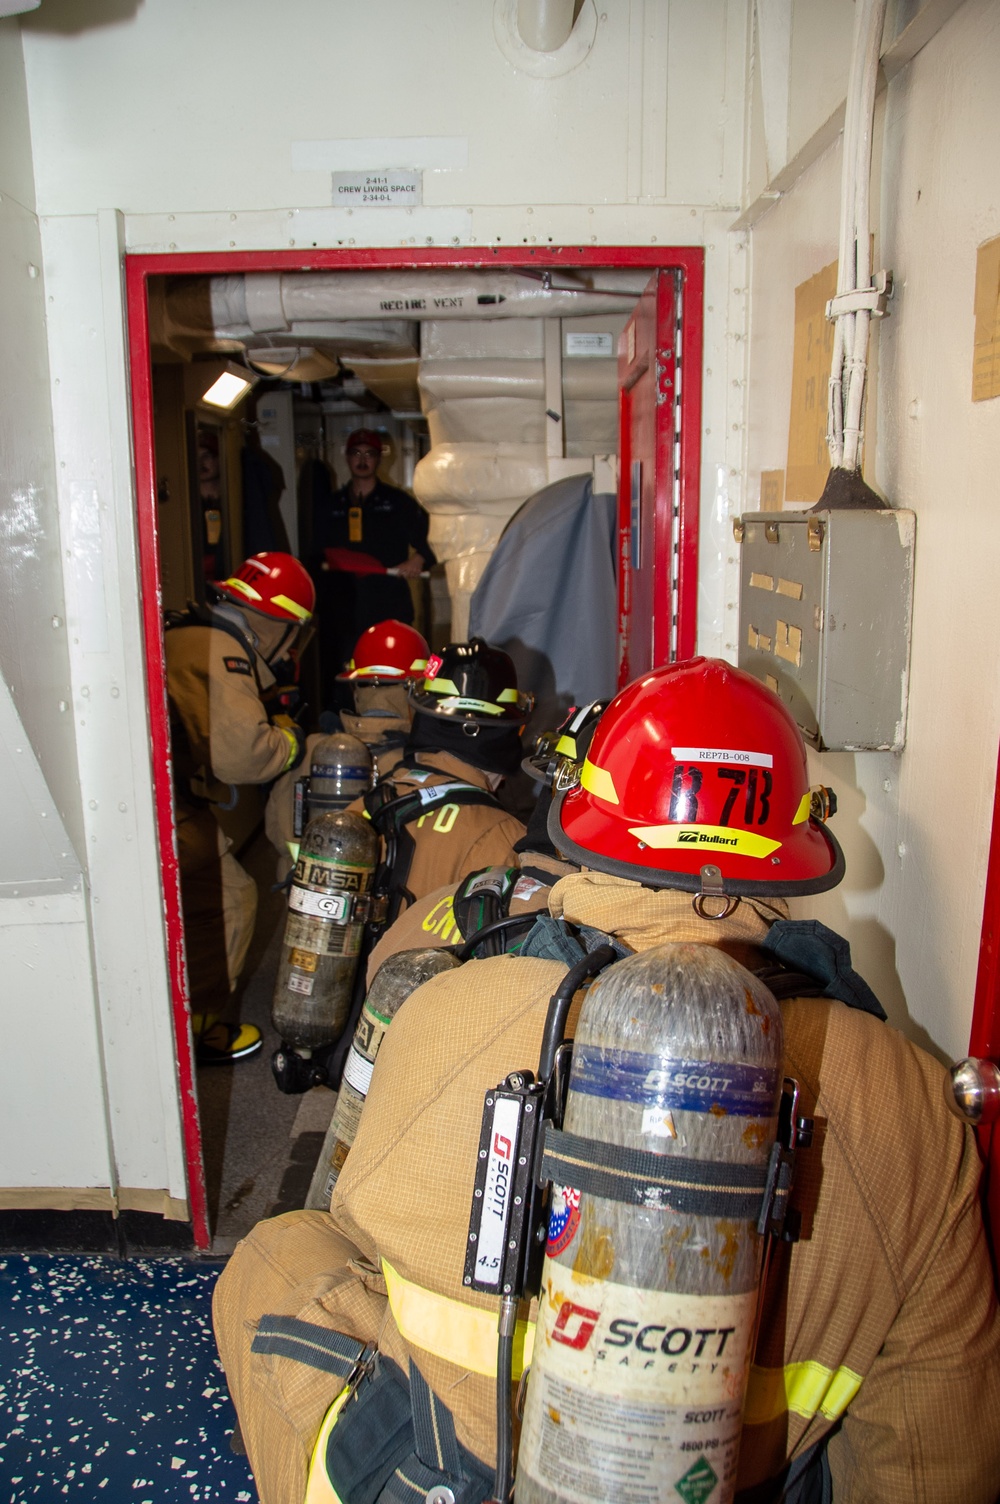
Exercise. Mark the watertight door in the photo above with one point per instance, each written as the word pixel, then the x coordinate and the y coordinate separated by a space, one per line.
pixel 649 520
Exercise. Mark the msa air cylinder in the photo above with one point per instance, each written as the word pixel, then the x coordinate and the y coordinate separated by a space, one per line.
pixel 396 978
pixel 648 1294
pixel 327 907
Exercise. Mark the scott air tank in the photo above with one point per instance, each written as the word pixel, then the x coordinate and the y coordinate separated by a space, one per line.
pixel 647 1306
pixel 340 771
pixel 327 907
pixel 396 978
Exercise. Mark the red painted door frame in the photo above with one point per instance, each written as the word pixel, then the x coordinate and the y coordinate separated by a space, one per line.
pixel 688 262
pixel 657 533
pixel 984 1040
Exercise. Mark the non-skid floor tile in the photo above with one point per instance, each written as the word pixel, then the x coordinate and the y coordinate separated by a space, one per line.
pixel 110 1385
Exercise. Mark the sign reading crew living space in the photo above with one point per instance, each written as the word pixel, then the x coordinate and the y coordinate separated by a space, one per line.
pixel 377 190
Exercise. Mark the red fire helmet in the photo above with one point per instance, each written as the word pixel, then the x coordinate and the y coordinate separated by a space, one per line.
pixel 275 584
pixel 696 779
pixel 388 650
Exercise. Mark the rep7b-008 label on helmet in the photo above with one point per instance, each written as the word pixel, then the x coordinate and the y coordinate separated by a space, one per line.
pixel 639 1396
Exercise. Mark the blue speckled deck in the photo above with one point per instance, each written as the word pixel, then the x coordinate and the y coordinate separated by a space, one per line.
pixel 110 1386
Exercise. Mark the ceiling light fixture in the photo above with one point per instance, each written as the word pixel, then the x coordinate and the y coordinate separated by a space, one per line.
pixel 229 387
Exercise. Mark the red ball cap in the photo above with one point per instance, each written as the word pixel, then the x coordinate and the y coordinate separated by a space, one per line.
pixel 364 438
pixel 694 765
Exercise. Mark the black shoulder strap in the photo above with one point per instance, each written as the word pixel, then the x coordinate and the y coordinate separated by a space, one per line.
pixel 483 898
pixel 807 959
pixel 204 616
pixel 392 813
pixel 388 809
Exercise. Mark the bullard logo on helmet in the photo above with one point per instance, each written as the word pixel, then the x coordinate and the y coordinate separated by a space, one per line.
pixel 699 838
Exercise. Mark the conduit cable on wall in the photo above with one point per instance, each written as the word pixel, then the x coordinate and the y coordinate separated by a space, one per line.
pixel 857 298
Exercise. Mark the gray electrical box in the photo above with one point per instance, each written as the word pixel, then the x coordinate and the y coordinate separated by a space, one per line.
pixel 825 604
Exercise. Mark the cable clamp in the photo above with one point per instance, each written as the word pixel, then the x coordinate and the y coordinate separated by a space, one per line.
pixel 871 300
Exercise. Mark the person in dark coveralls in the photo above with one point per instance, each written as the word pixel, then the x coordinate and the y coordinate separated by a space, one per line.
pixel 384 529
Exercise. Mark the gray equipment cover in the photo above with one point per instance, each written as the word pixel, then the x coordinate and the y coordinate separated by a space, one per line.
pixel 548 597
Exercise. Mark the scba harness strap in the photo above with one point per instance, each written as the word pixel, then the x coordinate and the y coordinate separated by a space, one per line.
pixel 387 1438
pixel 391 813
pixel 204 616
pixel 481 900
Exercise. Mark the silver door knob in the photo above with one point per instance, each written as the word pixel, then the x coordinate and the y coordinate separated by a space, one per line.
pixel 972 1091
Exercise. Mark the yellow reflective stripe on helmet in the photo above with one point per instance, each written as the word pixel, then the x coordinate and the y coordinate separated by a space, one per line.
pixel 715 837
pixel 440 687
pixel 287 604
pixel 385 669
pixel 450 1329
pixel 566 747
pixel 319 1489
pixel 293 850
pixel 802 813
pixel 507 696
pixel 598 781
pixel 242 588
pixel 807 1389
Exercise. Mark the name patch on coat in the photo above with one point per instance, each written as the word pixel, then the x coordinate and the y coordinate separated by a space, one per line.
pixel 237 665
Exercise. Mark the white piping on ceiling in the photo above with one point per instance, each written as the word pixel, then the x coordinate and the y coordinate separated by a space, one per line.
pixel 304 303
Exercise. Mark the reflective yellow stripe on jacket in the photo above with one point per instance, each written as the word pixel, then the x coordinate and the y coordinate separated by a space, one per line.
pixel 450 1329
pixel 807 1389
pixel 319 1489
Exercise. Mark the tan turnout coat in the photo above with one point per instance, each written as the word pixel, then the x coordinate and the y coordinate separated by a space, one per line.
pixel 891 1279
pixel 221 737
pixel 454 838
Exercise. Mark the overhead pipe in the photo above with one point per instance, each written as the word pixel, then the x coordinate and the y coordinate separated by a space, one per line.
pixel 306 304
pixel 859 297
pixel 545 25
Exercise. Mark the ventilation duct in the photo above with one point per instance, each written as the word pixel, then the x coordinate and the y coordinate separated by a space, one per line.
pixel 306 304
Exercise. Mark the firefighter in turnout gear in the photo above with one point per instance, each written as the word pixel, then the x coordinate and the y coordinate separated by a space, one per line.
pixel 876 1373
pixel 438 814
pixel 388 660
pixel 450 915
pixel 218 664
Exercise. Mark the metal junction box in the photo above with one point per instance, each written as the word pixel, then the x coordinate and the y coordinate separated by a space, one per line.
pixel 825 603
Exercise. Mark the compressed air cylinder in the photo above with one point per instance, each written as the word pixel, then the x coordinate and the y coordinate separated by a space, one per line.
pixel 340 772
pixel 396 978
pixel 646 1313
pixel 324 929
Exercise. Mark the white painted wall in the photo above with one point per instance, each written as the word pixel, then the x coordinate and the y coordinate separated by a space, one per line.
pixel 48 1017
pixel 916 825
pixel 179 107
pixel 88 1095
